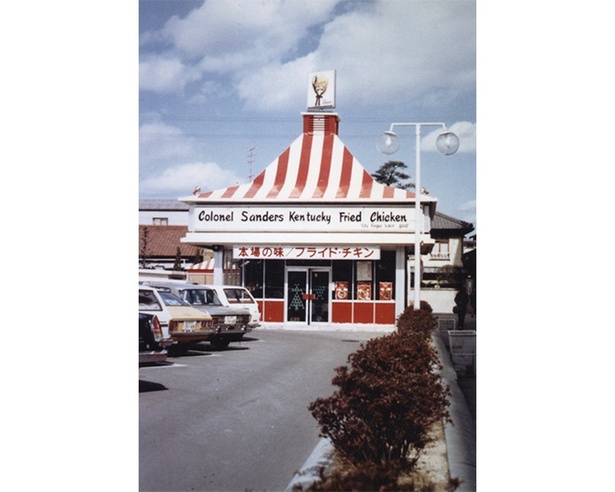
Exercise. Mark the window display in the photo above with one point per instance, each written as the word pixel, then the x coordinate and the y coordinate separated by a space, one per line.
pixel 341 290
pixel 386 291
pixel 364 291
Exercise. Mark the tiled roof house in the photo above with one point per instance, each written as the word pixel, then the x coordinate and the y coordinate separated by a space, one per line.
pixel 158 246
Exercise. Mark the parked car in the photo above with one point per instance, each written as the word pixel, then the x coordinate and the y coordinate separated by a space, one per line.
pixel 237 296
pixel 180 322
pixel 151 341
pixel 230 324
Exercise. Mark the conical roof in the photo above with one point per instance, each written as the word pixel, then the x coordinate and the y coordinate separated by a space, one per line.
pixel 316 167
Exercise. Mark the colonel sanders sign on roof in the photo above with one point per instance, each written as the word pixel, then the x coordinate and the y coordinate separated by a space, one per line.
pixel 321 90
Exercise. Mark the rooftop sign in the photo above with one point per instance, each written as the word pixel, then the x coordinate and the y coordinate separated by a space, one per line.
pixel 321 90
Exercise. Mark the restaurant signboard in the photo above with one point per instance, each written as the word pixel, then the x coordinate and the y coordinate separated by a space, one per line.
pixel 302 218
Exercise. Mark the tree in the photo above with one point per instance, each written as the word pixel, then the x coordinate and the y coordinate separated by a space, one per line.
pixel 390 174
pixel 178 260
pixel 143 249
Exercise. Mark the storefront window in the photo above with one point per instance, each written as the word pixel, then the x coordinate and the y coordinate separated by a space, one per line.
pixel 253 277
pixel 364 276
pixel 274 279
pixel 351 280
pixel 343 280
pixel 385 276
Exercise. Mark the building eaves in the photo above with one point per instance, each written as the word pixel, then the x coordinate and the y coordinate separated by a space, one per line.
pixel 445 223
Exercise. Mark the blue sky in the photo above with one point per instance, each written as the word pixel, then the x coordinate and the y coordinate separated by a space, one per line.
pixel 221 77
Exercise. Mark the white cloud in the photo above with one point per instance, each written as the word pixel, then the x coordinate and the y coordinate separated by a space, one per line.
pixel 159 142
pixel 229 35
pixel 172 162
pixel 422 51
pixel 211 92
pixel 277 86
pixel 465 131
pixel 182 179
pixel 383 51
pixel 165 74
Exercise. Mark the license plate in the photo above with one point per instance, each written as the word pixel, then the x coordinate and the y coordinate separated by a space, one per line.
pixel 230 320
pixel 189 326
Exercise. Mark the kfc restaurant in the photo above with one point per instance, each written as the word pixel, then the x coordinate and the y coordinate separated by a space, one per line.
pixel 316 240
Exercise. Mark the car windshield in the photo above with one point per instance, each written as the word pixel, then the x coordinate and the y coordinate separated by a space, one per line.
pixel 171 299
pixel 200 297
pixel 148 301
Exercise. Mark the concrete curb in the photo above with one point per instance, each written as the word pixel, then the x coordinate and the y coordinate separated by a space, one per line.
pixel 461 434
pixel 322 456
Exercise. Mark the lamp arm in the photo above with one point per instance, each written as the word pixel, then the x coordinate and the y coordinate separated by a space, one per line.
pixel 417 125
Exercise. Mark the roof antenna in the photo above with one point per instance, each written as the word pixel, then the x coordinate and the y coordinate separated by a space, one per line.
pixel 250 161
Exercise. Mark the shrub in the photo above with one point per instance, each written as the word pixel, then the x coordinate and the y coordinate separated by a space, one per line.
pixel 420 322
pixel 387 401
pixel 424 306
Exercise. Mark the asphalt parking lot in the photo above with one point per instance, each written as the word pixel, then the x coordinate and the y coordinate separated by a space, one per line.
pixel 237 419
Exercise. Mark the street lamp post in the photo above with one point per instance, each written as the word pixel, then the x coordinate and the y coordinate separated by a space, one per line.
pixel 447 143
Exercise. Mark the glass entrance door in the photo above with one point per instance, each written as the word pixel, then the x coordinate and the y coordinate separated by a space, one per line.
pixel 319 296
pixel 296 293
pixel 307 295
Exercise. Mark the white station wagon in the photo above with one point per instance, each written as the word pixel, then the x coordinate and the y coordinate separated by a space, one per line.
pixel 237 296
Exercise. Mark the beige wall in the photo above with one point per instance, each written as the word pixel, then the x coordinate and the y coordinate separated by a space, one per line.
pixel 201 278
pixel 455 252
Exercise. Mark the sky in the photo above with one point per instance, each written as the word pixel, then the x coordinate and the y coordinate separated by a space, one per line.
pixel 223 83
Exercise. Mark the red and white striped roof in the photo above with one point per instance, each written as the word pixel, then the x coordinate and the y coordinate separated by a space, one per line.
pixel 317 167
pixel 207 265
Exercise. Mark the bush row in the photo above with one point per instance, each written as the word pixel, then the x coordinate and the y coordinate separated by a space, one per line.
pixel 389 397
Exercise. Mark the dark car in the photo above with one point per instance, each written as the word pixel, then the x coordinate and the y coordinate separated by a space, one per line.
pixel 151 341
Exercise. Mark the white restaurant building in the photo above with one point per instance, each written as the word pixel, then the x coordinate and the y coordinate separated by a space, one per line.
pixel 314 237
